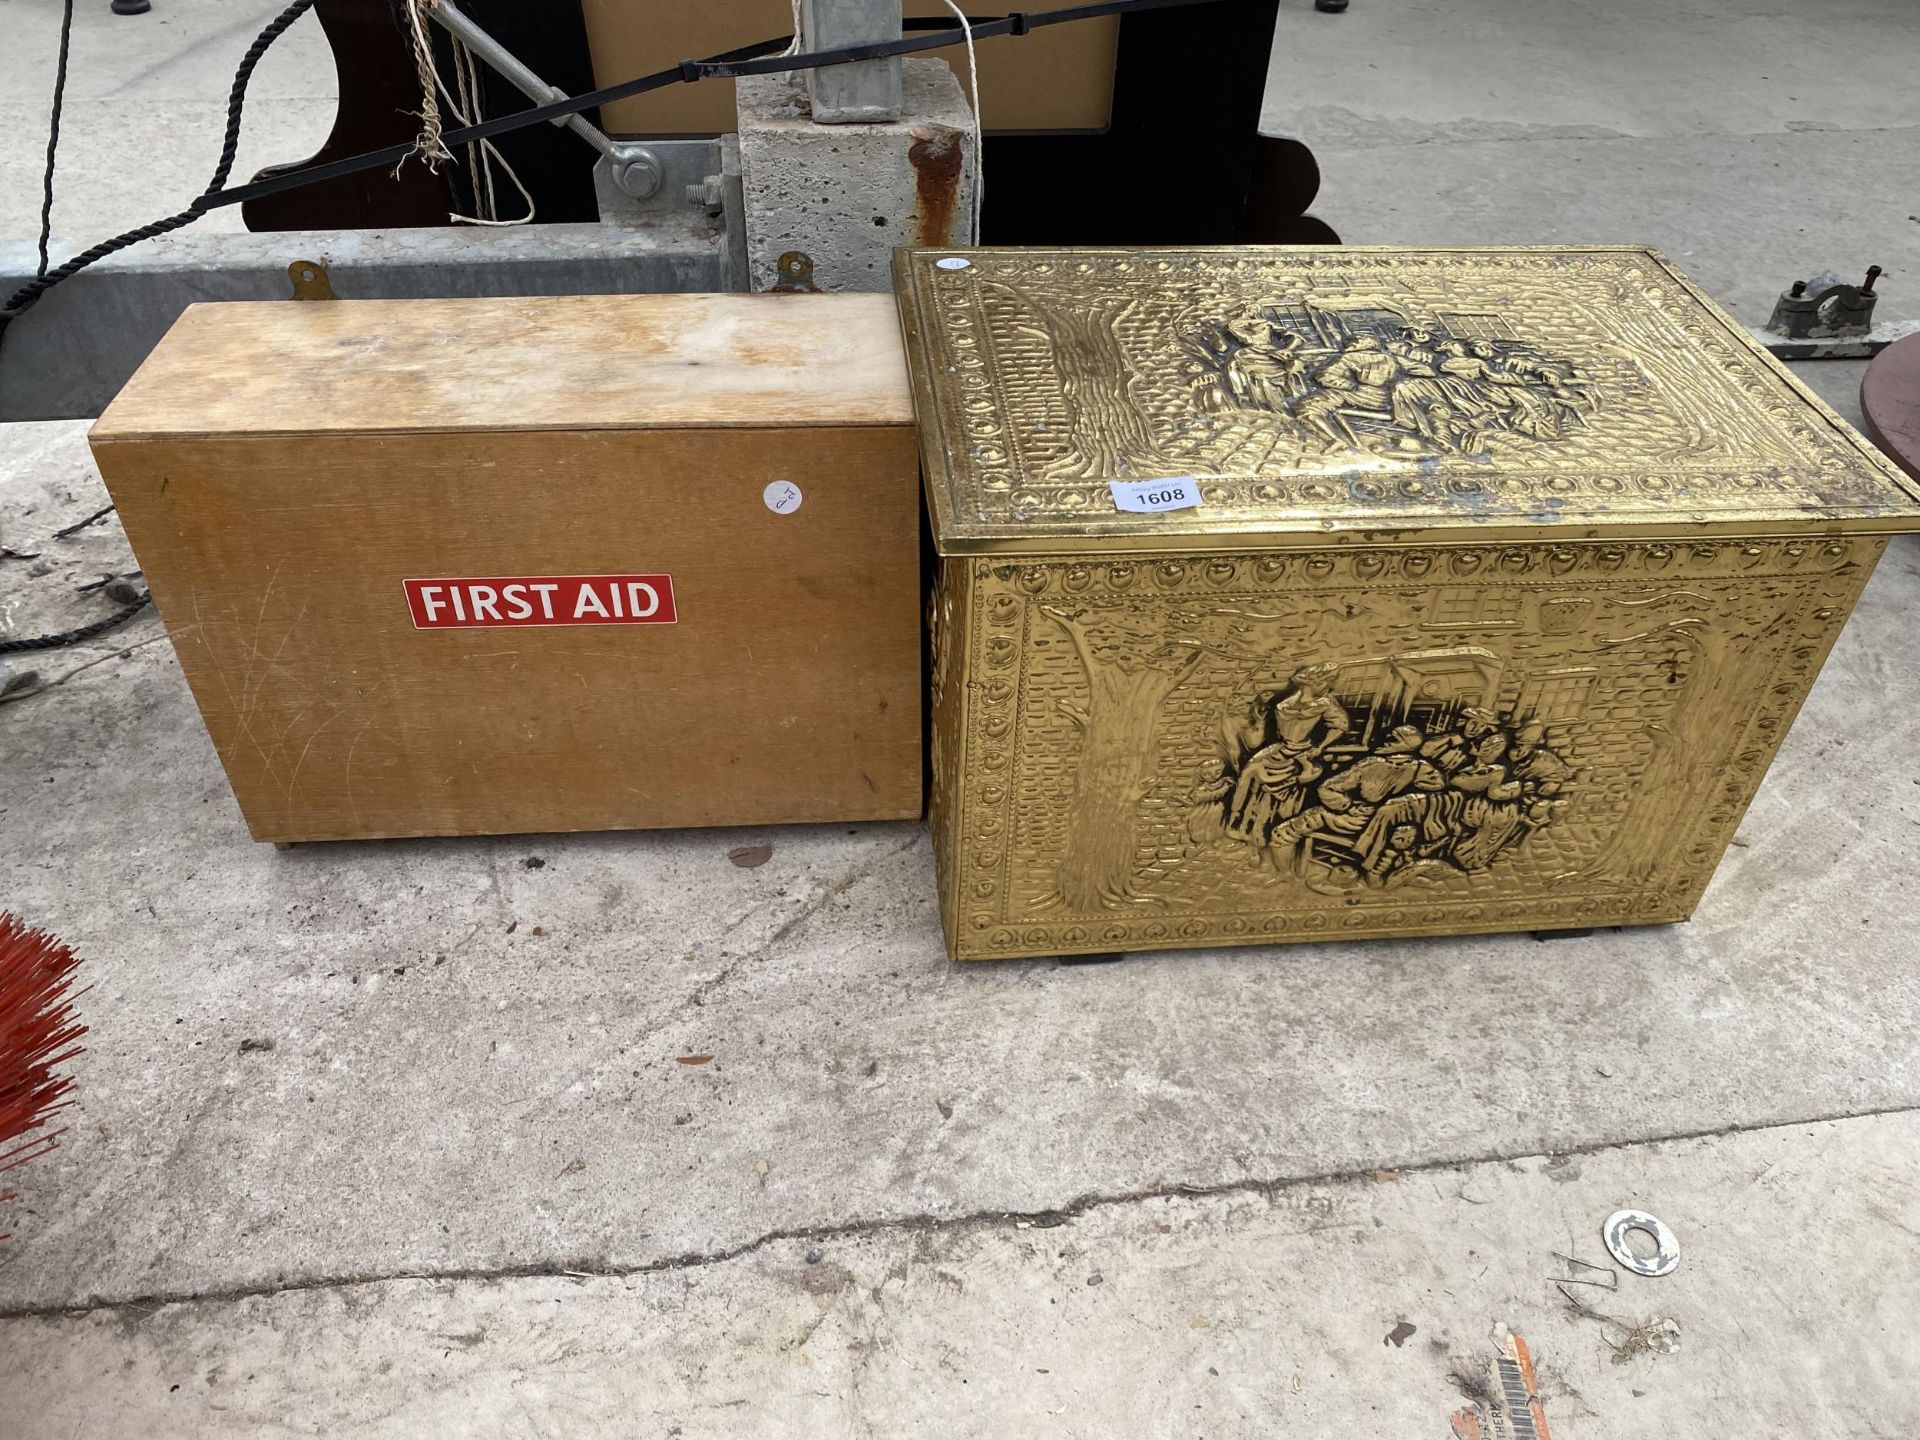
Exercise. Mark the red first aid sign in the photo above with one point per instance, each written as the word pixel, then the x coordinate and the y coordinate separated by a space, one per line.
pixel 458 604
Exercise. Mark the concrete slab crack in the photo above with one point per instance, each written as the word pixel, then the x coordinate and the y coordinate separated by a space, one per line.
pixel 794 921
pixel 961 1224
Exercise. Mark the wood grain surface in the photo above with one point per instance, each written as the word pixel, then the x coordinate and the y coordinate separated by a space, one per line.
pixel 612 362
pixel 789 689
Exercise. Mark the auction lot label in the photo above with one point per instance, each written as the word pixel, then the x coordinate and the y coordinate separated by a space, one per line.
pixel 465 604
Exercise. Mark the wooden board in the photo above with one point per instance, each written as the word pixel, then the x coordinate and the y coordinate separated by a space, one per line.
pixel 532 362
pixel 1059 78
pixel 789 689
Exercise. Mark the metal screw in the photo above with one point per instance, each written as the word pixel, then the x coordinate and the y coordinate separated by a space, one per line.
pixel 1873 274
pixel 638 173
pixel 1799 288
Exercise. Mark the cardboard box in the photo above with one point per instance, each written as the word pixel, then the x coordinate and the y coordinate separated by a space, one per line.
pixel 1058 78
pixel 454 567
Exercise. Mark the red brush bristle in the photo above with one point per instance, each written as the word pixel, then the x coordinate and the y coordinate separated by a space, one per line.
pixel 38 1033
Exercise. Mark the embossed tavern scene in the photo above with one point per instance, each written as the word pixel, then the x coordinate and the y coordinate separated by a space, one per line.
pixel 1508 572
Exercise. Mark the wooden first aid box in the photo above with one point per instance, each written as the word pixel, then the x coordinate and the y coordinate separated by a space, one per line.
pixel 1344 592
pixel 450 567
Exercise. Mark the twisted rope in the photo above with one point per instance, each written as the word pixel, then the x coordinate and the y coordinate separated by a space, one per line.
pixel 28 294
pixel 53 132
pixel 75 637
pixel 428 144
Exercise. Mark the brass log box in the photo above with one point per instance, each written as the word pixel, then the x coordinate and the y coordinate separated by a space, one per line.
pixel 1301 594
pixel 451 567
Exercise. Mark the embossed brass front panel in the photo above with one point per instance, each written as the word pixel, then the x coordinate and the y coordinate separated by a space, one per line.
pixel 1511 571
pixel 1136 753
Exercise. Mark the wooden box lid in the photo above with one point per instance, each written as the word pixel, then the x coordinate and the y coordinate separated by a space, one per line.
pixel 1333 395
pixel 571 362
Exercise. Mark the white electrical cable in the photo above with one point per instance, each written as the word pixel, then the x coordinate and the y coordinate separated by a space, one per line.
pixel 973 84
pixel 793 46
pixel 468 109
pixel 466 84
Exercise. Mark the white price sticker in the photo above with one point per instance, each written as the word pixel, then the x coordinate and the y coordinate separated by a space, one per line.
pixel 1180 492
pixel 954 262
pixel 783 497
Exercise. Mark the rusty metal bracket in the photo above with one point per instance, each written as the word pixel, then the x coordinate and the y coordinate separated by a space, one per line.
pixel 310 281
pixel 796 275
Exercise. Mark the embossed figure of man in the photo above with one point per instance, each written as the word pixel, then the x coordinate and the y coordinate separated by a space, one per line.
pixel 1353 804
pixel 1490 816
pixel 1543 775
pixel 1423 402
pixel 1452 750
pixel 1505 387
pixel 1469 380
pixel 1267 371
pixel 1359 377
pixel 1272 784
pixel 1568 399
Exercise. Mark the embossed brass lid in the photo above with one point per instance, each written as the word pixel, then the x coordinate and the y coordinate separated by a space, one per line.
pixel 1336 395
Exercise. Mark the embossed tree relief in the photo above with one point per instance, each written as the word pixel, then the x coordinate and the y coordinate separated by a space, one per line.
pixel 1108 436
pixel 1700 668
pixel 1130 671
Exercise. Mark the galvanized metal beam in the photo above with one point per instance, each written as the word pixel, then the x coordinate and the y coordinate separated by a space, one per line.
pixel 70 354
pixel 866 92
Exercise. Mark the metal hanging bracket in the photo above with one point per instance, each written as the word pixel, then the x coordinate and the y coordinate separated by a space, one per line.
pixel 796 275
pixel 310 281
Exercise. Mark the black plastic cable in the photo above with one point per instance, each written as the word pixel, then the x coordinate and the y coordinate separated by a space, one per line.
pixel 53 133
pixel 764 58
pixel 29 294
pixel 74 637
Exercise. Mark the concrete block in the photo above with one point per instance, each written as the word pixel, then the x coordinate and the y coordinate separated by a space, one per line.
pixel 867 91
pixel 846 195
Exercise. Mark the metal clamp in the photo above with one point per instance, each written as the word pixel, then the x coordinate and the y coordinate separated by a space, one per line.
pixel 636 170
pixel 1825 307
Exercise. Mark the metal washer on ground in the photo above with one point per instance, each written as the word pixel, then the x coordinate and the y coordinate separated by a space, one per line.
pixel 1664 1258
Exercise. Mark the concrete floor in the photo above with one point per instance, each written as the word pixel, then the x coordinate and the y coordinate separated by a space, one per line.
pixel 1755 143
pixel 469 1189
pixel 146 103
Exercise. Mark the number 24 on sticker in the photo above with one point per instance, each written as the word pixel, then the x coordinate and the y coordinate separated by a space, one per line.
pixel 1179 492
